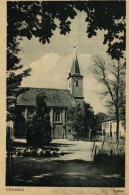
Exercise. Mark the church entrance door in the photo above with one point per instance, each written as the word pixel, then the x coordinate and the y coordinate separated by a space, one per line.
pixel 58 132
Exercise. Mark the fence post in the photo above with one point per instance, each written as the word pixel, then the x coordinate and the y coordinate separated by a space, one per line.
pixel 102 146
pixel 95 151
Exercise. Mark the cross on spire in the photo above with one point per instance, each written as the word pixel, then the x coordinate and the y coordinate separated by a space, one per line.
pixel 74 44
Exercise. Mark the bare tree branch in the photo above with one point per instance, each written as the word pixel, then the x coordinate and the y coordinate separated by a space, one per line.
pixel 112 76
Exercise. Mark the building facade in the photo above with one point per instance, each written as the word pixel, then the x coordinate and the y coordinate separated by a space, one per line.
pixel 58 101
pixel 109 128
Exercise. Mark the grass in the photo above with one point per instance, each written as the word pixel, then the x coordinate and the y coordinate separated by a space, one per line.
pixel 112 155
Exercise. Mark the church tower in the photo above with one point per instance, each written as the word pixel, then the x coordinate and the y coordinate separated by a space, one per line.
pixel 75 80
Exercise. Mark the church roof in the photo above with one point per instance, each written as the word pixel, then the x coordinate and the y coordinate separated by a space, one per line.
pixel 75 70
pixel 75 66
pixel 55 97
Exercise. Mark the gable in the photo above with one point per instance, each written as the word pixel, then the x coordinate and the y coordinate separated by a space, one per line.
pixel 55 97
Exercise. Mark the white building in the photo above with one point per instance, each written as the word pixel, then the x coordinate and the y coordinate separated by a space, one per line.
pixel 109 128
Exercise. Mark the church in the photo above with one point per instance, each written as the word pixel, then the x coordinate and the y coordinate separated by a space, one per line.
pixel 58 101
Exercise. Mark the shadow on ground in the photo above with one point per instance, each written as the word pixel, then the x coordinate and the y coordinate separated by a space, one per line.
pixel 28 171
pixel 73 169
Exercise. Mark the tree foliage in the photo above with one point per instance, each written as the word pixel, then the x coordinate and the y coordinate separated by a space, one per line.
pixel 76 121
pixel 90 120
pixel 108 16
pixel 81 120
pixel 100 117
pixel 112 76
pixel 38 126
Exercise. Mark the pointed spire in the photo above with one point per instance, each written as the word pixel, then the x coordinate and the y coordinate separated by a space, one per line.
pixel 75 66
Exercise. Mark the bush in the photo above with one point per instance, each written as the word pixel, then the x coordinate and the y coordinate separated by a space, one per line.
pixel 38 128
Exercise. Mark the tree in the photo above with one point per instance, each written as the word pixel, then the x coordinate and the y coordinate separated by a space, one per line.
pixel 112 76
pixel 81 120
pixel 38 126
pixel 90 120
pixel 75 121
pixel 100 116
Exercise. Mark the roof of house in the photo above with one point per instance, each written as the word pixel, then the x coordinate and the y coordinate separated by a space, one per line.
pixel 55 97
pixel 109 118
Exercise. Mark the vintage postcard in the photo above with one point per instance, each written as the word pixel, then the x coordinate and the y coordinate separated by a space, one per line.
pixel 64 97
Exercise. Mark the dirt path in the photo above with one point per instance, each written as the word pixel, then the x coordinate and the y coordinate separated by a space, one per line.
pixel 77 150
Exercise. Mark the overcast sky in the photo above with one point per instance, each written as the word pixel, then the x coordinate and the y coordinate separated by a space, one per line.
pixel 52 62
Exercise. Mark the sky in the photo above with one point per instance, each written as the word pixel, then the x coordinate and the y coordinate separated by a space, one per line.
pixel 51 63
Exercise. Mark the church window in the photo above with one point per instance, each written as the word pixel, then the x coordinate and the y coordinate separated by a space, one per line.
pixel 103 131
pixel 58 116
pixel 76 83
pixel 61 116
pixel 57 119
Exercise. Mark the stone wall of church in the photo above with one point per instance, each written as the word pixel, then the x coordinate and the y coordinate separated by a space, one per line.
pixel 80 101
pixel 57 120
